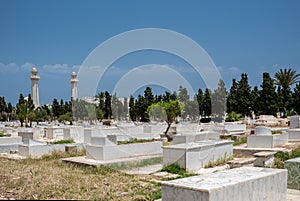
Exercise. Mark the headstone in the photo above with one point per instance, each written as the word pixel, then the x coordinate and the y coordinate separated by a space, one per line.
pixel 295 122
pixel 262 130
pixel 26 136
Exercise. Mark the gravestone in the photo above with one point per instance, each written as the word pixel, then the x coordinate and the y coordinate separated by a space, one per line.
pixel 295 122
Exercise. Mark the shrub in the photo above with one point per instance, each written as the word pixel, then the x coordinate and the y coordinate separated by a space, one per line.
pixel 232 116
pixel 281 157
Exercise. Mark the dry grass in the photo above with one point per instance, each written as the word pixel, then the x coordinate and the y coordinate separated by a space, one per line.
pixel 50 178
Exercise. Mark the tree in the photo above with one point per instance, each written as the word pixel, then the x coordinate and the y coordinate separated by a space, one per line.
pixel 268 96
pixel 190 110
pixel 40 115
pixel 219 101
pixel 170 110
pixel 56 109
pixel 207 103
pixel 149 96
pixel 25 110
pixel 22 113
pixel 132 109
pixel 296 98
pixel 65 117
pixel 79 110
pixel 243 96
pixel 255 100
pixel 284 78
pixel 9 111
pixel 200 100
pixel 141 109
pixel 183 95
pixel 287 77
pixel 107 106
pixel 3 109
pixel 232 103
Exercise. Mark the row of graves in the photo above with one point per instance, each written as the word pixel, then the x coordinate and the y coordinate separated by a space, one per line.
pixel 194 148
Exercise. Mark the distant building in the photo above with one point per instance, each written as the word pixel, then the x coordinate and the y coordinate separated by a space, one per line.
pixel 35 87
pixel 74 88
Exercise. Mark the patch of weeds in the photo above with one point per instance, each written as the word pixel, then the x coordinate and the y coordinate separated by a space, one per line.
pixel 135 140
pixel 142 163
pixel 1 134
pixel 176 169
pixel 237 141
pixel 151 192
pixel 220 161
pixel 62 154
pixel 62 142
pixel 241 140
pixel 276 132
pixel 281 157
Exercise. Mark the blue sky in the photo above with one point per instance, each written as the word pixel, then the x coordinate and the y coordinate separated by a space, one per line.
pixel 57 36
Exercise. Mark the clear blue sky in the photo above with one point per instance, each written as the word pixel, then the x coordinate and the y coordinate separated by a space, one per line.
pixel 56 37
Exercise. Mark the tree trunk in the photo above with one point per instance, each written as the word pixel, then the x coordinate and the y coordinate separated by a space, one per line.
pixel 170 138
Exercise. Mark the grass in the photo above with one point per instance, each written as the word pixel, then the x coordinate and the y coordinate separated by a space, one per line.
pixel 241 140
pixel 276 132
pixel 143 163
pixel 50 178
pixel 63 142
pixel 135 140
pixel 220 161
pixel 175 169
pixel 280 157
pixel 2 134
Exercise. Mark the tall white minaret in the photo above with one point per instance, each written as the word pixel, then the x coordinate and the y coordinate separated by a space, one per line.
pixel 74 81
pixel 35 87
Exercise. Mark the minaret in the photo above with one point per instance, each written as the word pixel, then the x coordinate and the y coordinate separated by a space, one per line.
pixel 35 87
pixel 74 81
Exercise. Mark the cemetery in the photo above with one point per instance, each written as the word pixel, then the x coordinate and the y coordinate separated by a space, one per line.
pixel 134 148
pixel 174 159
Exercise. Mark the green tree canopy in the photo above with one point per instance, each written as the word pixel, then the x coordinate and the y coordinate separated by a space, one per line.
pixel 166 110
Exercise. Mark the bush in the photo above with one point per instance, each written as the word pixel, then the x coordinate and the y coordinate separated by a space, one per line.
pixel 281 157
pixel 2 134
pixel 232 116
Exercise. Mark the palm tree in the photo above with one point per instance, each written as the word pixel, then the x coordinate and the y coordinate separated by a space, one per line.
pixel 287 77
pixel 284 79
